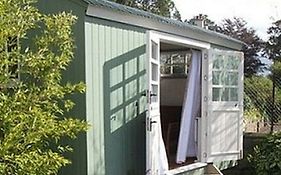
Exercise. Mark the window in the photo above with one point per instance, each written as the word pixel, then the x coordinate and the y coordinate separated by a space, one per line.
pixel 225 78
pixel 175 63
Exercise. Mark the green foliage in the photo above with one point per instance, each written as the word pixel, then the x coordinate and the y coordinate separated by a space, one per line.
pixel 258 97
pixel 33 101
pixel 273 45
pixel 266 158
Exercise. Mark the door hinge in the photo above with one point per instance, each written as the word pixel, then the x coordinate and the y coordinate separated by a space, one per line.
pixel 204 155
pixel 205 99
pixel 241 154
pixel 205 77
pixel 205 56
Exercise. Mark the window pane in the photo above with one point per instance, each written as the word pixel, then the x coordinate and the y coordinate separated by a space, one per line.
pixel 165 59
pixel 217 77
pixel 178 59
pixel 154 93
pixel 179 69
pixel 154 50
pixel 232 78
pixel 232 63
pixel 165 69
pixel 233 94
pixel 218 62
pixel 154 73
pixel 225 94
pixel 216 94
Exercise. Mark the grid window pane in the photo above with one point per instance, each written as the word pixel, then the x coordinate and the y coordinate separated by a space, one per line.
pixel 154 93
pixel 232 63
pixel 232 78
pixel 216 94
pixel 178 69
pixel 175 63
pixel 154 73
pixel 154 50
pixel 233 94
pixel 218 62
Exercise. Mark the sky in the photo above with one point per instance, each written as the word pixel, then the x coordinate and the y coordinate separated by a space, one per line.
pixel 259 14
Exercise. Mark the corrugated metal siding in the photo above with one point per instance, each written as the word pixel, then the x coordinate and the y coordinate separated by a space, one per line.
pixel 115 76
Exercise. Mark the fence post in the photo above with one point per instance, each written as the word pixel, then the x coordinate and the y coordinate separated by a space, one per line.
pixel 273 103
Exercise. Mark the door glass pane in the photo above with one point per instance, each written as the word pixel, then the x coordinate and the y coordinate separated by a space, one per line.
pixel 216 94
pixel 154 50
pixel 217 77
pixel 232 78
pixel 154 93
pixel 154 72
pixel 218 62
pixel 232 63
pixel 233 94
pixel 225 94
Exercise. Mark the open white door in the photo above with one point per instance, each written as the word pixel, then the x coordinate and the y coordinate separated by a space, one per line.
pixel 224 106
pixel 156 160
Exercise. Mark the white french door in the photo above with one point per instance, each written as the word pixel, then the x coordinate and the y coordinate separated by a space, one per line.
pixel 156 160
pixel 224 110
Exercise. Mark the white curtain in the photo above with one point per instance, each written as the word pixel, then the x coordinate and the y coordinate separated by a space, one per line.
pixel 159 162
pixel 190 109
pixel 163 160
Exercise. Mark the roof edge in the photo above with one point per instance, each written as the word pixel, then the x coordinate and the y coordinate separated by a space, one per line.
pixel 129 11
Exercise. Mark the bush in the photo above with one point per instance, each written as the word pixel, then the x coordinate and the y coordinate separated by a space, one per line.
pixel 34 103
pixel 266 158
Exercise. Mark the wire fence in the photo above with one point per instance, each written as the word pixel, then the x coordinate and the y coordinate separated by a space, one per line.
pixel 262 104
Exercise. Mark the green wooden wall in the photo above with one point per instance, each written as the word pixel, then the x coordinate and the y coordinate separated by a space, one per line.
pixel 115 76
pixel 75 73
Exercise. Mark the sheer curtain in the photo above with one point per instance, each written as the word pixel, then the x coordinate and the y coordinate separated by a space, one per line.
pixel 190 109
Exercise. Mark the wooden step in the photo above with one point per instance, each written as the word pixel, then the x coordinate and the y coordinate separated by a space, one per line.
pixel 211 169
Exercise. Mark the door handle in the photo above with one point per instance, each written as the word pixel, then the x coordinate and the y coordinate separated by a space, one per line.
pixel 150 124
pixel 153 95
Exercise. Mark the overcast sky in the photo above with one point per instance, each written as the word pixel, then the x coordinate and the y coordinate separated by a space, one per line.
pixel 258 13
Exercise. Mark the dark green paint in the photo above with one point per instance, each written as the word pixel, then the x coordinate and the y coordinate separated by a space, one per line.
pixel 75 73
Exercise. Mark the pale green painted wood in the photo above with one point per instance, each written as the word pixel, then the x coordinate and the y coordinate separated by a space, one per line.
pixel 115 74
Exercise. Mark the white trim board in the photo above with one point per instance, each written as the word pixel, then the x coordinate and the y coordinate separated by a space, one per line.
pixel 172 39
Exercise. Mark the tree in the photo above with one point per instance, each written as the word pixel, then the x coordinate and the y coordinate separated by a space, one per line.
pixel 164 8
pixel 273 45
pixel 273 52
pixel 33 101
pixel 237 28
